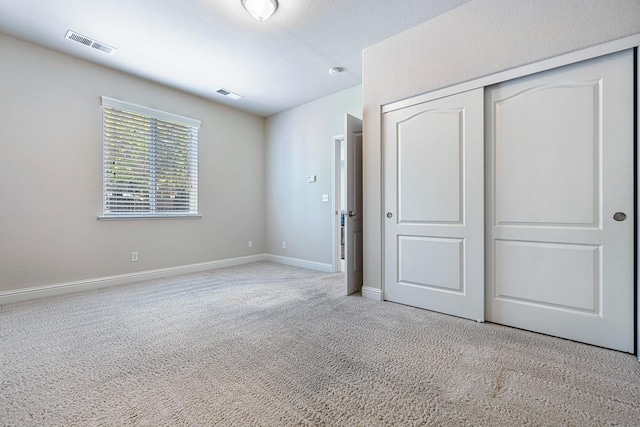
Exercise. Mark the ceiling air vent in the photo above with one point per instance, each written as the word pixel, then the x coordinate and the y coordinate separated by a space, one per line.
pixel 89 42
pixel 228 94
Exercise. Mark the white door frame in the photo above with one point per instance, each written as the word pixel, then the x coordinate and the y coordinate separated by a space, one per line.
pixel 629 42
pixel 336 179
pixel 637 142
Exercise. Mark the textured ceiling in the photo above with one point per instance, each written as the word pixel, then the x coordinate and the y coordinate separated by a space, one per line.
pixel 201 45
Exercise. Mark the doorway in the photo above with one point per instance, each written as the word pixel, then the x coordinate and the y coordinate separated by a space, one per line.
pixel 339 202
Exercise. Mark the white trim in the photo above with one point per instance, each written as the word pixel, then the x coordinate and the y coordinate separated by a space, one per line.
pixel 637 142
pixel 372 293
pixel 17 295
pixel 525 70
pixel 301 263
pixel 147 111
pixel 127 217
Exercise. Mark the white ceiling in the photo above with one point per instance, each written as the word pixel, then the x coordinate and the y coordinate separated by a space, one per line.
pixel 201 45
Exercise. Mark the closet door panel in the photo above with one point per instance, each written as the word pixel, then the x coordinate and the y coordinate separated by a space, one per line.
pixel 434 186
pixel 559 167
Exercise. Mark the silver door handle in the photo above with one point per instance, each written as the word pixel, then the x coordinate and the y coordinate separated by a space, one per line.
pixel 352 214
pixel 389 215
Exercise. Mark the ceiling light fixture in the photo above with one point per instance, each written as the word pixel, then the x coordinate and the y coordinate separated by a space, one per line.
pixel 260 9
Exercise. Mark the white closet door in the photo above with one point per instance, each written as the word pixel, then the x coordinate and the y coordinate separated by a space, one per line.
pixel 560 180
pixel 434 186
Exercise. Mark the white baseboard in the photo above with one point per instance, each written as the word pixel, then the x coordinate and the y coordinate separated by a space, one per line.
pixel 302 263
pixel 17 295
pixel 372 293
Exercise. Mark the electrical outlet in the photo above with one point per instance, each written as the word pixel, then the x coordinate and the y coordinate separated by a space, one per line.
pixel 250 243
pixel 284 245
pixel 134 256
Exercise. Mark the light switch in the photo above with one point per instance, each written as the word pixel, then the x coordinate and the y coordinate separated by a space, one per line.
pixel 325 197
pixel 311 178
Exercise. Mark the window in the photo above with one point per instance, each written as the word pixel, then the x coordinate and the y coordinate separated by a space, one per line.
pixel 150 162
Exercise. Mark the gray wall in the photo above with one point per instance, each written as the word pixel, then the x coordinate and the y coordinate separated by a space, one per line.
pixel 51 184
pixel 477 39
pixel 299 144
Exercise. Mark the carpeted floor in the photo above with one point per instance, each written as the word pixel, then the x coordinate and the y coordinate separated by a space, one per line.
pixel 269 345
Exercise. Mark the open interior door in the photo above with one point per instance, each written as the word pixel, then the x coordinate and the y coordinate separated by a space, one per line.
pixel 353 216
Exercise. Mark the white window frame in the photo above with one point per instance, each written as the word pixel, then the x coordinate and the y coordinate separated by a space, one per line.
pixel 153 115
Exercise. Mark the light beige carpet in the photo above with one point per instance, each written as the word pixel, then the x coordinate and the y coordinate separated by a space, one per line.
pixel 265 344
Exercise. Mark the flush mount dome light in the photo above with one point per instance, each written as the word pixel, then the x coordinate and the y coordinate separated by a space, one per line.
pixel 260 9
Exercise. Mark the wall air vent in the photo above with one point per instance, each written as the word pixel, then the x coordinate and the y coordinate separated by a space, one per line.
pixel 228 94
pixel 89 42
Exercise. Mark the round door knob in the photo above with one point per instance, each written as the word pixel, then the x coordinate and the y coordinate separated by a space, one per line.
pixel 352 214
pixel 389 215
pixel 619 216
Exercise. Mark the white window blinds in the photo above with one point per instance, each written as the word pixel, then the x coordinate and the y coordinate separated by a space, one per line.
pixel 150 162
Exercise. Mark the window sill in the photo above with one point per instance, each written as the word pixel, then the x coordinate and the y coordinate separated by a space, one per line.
pixel 125 217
